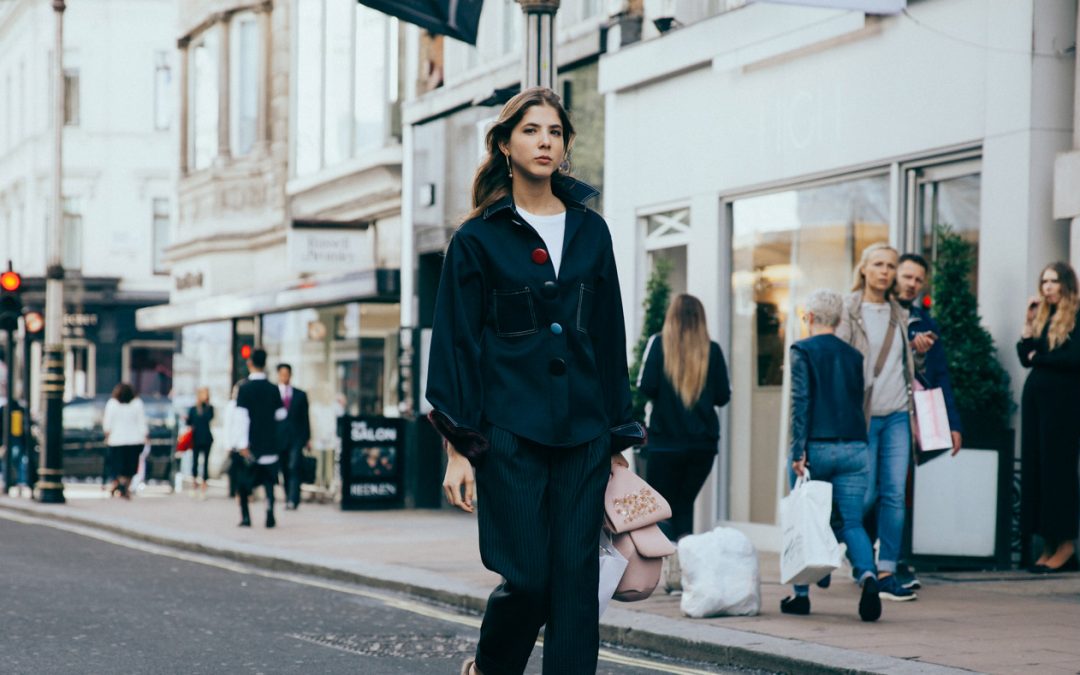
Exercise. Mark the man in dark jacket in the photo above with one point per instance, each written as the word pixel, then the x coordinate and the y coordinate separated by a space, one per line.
pixel 295 434
pixel 828 435
pixel 931 362
pixel 264 407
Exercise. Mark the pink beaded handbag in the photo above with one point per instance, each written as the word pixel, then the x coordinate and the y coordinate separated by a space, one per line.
pixel 632 509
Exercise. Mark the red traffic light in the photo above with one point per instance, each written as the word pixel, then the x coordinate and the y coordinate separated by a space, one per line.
pixel 245 352
pixel 34 322
pixel 10 281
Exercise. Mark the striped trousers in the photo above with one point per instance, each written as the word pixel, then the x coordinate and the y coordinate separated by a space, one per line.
pixel 540 510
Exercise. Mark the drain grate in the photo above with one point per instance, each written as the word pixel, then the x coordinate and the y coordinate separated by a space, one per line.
pixel 411 646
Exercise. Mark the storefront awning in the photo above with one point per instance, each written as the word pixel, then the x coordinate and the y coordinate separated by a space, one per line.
pixel 371 285
pixel 458 19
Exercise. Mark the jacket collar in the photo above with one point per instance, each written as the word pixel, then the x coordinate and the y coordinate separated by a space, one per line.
pixel 573 192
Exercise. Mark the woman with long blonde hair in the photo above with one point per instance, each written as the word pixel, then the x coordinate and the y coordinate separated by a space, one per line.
pixel 1050 427
pixel 684 376
pixel 529 386
pixel 874 323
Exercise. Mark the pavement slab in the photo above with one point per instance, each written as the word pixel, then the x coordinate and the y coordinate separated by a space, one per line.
pixel 991 622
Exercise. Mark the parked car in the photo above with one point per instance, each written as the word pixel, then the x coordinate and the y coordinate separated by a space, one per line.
pixel 84 437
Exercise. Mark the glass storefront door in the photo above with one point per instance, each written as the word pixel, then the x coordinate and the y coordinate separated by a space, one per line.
pixel 784 246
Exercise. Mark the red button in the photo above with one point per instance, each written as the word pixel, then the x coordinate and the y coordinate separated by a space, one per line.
pixel 540 256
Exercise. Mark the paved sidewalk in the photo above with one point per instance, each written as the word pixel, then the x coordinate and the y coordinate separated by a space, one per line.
pixel 991 622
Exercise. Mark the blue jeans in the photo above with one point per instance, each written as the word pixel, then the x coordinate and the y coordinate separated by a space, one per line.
pixel 890 455
pixel 846 466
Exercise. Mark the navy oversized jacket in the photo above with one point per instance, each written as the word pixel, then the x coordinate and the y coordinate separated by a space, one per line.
pixel 515 347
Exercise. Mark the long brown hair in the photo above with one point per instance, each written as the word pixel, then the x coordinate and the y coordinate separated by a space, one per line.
pixel 1064 319
pixel 492 181
pixel 686 348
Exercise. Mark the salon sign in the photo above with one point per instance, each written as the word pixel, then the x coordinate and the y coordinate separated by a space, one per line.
pixel 372 475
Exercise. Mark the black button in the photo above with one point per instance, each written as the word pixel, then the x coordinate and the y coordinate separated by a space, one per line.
pixel 557 367
pixel 550 290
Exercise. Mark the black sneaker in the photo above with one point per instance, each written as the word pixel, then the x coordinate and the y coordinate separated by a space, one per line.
pixel 890 589
pixel 870 601
pixel 907 577
pixel 270 522
pixel 798 604
pixel 825 581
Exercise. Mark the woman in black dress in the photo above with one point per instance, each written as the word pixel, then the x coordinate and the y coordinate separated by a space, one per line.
pixel 198 418
pixel 1050 440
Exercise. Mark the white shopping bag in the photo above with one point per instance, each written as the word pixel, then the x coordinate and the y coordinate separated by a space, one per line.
pixel 931 419
pixel 810 550
pixel 612 567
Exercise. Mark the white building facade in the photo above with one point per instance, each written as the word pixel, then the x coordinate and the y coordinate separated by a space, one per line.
pixel 762 149
pixel 289 202
pixel 119 178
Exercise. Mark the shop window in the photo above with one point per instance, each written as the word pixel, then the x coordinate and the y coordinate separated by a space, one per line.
pixel 203 99
pixel 243 83
pixel 148 367
pixel 784 246
pixel 73 234
pixel 161 223
pixel 163 92
pixel 945 194
pixel 666 237
pixel 346 82
pixel 71 97
pixel 79 371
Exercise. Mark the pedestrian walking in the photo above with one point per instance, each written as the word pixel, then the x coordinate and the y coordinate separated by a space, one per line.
pixel 295 434
pixel 684 375
pixel 199 418
pixel 262 401
pixel 529 385
pixel 875 324
pixel 1050 427
pixel 931 363
pixel 828 435
pixel 126 432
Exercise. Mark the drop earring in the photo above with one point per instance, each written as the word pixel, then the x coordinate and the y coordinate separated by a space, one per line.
pixel 509 169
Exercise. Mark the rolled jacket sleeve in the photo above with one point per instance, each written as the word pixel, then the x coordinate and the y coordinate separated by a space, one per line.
pixel 609 327
pixel 455 386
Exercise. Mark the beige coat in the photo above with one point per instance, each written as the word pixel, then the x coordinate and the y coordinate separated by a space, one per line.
pixel 853 331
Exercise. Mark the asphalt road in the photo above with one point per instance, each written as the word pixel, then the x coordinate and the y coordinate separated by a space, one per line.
pixel 77 604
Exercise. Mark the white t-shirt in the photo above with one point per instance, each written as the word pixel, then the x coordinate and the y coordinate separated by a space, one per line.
pixel 890 388
pixel 551 229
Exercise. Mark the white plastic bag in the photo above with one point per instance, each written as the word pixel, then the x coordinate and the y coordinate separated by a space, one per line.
pixel 810 550
pixel 720 575
pixel 612 567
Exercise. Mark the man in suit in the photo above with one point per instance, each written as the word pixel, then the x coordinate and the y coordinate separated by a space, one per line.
pixel 262 401
pixel 295 434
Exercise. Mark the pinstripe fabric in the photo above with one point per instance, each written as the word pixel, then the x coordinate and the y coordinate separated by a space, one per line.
pixel 540 512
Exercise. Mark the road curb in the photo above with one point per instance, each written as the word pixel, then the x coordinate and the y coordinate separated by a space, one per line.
pixel 674 638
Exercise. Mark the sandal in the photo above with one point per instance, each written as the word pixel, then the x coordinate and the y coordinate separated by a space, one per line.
pixel 469 667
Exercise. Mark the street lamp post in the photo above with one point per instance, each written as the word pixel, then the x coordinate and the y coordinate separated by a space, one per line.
pixel 50 487
pixel 540 66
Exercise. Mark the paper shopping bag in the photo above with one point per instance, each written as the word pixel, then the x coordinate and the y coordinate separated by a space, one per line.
pixel 810 550
pixel 931 420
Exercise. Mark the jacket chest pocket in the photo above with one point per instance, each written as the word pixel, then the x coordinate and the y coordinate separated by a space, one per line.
pixel 586 299
pixel 514 313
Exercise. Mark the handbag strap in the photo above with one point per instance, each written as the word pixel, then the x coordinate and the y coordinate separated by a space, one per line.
pixel 887 345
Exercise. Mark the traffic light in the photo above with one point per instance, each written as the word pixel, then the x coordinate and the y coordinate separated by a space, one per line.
pixel 10 300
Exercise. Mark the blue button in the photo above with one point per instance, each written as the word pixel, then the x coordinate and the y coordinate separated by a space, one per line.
pixel 556 329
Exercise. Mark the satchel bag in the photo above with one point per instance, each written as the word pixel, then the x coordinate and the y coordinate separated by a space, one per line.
pixel 632 509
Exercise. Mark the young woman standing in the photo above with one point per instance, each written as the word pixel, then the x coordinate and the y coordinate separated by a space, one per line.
pixel 529 385
pixel 874 323
pixel 1050 427
pixel 199 418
